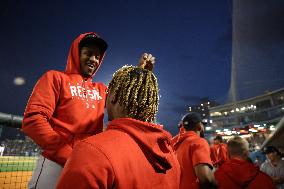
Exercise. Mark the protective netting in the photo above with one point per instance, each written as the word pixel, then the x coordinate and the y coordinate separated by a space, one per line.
pixel 17 161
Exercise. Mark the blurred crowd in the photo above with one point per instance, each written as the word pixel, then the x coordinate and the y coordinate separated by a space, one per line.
pixel 19 147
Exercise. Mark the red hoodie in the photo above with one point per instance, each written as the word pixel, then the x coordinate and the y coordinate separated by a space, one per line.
pixel 191 150
pixel 129 154
pixel 64 107
pixel 219 154
pixel 237 174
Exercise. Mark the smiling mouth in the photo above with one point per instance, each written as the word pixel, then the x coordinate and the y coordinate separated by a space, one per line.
pixel 90 65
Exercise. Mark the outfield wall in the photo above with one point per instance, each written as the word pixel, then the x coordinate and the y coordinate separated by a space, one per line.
pixel 18 155
pixel 16 171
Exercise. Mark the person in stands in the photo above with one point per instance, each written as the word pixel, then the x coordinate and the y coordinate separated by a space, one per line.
pixel 274 166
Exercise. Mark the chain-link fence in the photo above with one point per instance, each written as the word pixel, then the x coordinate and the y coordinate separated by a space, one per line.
pixel 18 154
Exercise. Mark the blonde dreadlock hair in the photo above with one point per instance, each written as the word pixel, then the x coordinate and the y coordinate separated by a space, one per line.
pixel 136 89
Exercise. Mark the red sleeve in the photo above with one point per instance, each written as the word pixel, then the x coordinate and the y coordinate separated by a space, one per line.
pixel 201 153
pixel 88 167
pixel 39 110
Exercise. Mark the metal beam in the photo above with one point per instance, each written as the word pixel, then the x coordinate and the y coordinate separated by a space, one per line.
pixel 11 120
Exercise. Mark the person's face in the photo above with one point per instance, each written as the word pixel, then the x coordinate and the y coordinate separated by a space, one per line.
pixel 216 142
pixel 271 156
pixel 89 60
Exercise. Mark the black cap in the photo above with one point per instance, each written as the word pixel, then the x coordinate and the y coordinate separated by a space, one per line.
pixel 93 39
pixel 191 119
pixel 270 149
pixel 218 137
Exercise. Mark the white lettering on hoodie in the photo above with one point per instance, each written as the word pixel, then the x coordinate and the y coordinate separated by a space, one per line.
pixel 85 94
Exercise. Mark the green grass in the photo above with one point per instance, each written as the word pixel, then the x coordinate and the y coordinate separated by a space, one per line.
pixel 16 163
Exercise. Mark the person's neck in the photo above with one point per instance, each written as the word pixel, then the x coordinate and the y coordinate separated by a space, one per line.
pixel 196 132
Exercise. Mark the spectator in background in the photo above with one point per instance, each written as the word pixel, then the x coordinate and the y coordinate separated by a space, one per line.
pixel 218 151
pixel 193 154
pixel 257 161
pixel 133 152
pixel 274 166
pixel 256 155
pixel 238 172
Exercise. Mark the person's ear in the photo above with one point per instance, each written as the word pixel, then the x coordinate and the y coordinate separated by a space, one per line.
pixel 246 153
pixel 113 99
pixel 198 127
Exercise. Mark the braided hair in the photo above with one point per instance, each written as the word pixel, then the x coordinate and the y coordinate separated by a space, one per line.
pixel 136 89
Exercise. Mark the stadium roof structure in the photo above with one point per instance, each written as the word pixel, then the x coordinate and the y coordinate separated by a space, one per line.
pixel 276 138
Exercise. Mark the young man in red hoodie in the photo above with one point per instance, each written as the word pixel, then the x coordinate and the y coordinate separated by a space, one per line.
pixel 238 172
pixel 133 152
pixel 193 154
pixel 66 107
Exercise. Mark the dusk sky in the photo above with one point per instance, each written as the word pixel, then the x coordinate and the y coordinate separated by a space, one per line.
pixel 191 40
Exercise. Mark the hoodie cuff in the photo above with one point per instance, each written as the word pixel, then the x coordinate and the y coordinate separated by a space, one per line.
pixel 59 156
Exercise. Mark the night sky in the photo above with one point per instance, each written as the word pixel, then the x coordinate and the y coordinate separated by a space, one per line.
pixel 258 43
pixel 191 40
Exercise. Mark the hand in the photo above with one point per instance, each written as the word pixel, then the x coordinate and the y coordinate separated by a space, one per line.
pixel 147 61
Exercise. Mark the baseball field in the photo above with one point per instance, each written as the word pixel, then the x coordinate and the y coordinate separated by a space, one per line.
pixel 15 171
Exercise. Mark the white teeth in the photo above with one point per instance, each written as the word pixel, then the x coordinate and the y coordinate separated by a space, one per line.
pixel 91 65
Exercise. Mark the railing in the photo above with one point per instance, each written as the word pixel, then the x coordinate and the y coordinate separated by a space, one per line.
pixel 269 114
pixel 276 138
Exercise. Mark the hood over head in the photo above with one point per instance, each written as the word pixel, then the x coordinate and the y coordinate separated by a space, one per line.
pixel 73 60
pixel 240 172
pixel 151 138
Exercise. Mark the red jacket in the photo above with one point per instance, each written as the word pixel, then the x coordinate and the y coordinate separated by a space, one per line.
pixel 129 154
pixel 191 150
pixel 237 174
pixel 63 108
pixel 219 154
